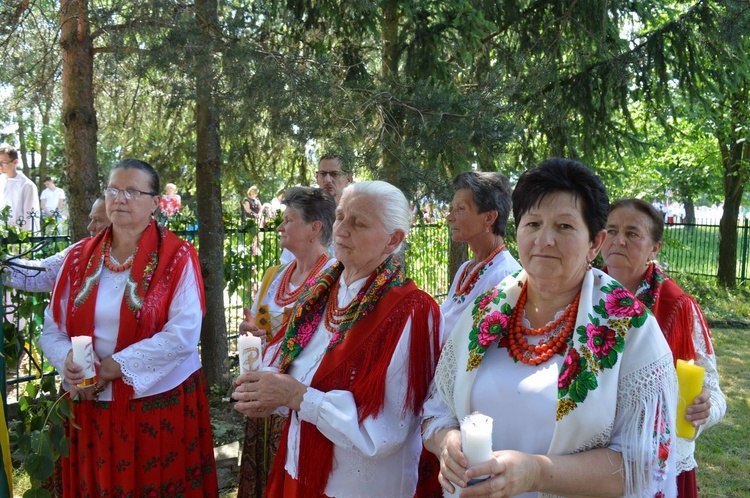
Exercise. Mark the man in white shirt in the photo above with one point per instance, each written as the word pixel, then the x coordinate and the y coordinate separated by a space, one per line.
pixel 18 192
pixel 52 199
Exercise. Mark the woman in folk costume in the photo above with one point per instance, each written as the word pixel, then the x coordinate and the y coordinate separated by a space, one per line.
pixel 573 370
pixel 306 232
pixel 634 237
pixel 478 216
pixel 354 365
pixel 136 289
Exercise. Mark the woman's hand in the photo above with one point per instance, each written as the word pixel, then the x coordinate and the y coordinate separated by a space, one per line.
pixel 452 461
pixel 259 394
pixel 700 410
pixel 109 370
pixel 247 326
pixel 511 473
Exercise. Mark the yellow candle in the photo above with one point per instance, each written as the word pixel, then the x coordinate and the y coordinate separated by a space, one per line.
pixel 690 379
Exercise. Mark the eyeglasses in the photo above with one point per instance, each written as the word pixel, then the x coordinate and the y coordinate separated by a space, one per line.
pixel 5 163
pixel 335 175
pixel 130 194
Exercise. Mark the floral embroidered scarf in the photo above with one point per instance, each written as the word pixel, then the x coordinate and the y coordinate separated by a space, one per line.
pixel 615 377
pixel 307 315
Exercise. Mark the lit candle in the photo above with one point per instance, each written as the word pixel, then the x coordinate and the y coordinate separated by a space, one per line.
pixel 249 347
pixel 83 356
pixel 690 380
pixel 476 441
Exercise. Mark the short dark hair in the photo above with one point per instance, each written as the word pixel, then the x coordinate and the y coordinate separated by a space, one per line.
pixel 10 151
pixel 48 179
pixel 313 204
pixel 143 166
pixel 657 219
pixel 337 158
pixel 490 191
pixel 563 175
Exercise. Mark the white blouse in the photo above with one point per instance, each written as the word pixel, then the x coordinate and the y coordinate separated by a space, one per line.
pixel 380 456
pixel 152 366
pixel 503 264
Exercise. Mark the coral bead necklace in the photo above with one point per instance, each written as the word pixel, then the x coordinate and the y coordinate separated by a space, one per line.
pixel 467 281
pixel 107 249
pixel 534 354
pixel 335 316
pixel 284 296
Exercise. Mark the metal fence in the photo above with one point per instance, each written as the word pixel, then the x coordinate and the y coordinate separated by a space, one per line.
pixel 688 249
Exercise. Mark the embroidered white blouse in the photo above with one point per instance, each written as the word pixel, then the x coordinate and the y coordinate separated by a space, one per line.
pixel 503 264
pixel 152 366
pixel 380 456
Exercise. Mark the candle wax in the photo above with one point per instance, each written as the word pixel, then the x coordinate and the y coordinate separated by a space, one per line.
pixel 249 347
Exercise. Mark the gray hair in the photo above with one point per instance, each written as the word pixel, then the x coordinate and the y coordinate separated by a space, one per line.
pixel 395 213
pixel 313 204
pixel 490 192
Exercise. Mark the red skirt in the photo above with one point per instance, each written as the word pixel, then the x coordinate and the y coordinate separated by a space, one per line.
pixel 165 447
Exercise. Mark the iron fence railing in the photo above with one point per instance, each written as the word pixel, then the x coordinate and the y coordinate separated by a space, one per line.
pixel 247 253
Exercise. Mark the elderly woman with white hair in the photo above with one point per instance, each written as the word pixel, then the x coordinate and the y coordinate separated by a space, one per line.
pixel 355 364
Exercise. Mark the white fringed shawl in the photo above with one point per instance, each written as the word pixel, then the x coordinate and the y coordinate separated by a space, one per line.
pixel 630 394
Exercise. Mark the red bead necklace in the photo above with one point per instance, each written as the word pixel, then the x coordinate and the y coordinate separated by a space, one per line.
pixel 334 315
pixel 284 296
pixel 110 265
pixel 534 354
pixel 467 280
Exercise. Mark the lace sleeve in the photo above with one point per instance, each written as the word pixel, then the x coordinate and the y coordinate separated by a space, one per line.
pixel 38 275
pixel 711 379
pixel 439 412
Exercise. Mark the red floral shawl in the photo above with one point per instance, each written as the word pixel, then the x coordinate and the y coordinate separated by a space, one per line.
pixel 158 263
pixel 359 364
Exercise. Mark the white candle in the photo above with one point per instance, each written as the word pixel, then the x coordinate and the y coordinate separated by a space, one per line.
pixel 249 347
pixel 83 355
pixel 476 440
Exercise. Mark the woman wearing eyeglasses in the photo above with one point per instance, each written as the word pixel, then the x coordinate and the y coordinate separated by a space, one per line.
pixel 137 291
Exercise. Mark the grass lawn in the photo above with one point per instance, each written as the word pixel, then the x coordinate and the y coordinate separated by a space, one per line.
pixel 723 452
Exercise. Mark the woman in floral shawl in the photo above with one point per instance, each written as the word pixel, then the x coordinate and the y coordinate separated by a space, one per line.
pixel 135 288
pixel 634 237
pixel 570 365
pixel 355 364
pixel 305 232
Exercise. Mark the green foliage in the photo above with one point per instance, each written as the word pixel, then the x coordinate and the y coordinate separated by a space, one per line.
pixel 38 435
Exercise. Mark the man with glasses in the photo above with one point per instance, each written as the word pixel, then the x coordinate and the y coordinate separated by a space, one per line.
pixel 331 176
pixel 18 192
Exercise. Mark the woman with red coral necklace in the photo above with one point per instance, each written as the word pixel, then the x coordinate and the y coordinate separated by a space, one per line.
pixel 634 237
pixel 136 289
pixel 478 216
pixel 306 232
pixel 569 365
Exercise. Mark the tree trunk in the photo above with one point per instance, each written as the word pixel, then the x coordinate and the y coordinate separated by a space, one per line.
pixel 734 154
pixel 393 118
pixel 214 350
pixel 78 114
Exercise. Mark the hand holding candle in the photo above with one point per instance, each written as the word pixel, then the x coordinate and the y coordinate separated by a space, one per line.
pixel 476 441
pixel 83 356
pixel 690 380
pixel 250 350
